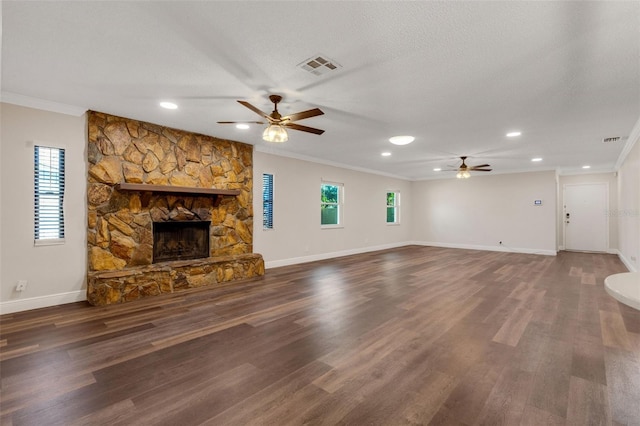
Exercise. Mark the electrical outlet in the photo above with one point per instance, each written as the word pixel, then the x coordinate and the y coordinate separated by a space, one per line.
pixel 22 285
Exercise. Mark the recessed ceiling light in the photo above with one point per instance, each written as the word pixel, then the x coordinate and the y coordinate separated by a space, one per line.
pixel 586 167
pixel 385 154
pixel 168 105
pixel 437 169
pixel 513 134
pixel 242 126
pixel 535 160
pixel 401 140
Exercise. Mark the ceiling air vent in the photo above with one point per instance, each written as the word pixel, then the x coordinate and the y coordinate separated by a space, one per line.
pixel 319 65
pixel 611 139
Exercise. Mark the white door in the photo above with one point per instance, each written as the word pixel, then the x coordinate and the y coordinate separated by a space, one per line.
pixel 586 222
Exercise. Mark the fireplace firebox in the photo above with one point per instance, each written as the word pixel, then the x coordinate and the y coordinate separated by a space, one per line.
pixel 180 240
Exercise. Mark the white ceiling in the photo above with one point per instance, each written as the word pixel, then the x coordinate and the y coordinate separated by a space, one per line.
pixel 456 75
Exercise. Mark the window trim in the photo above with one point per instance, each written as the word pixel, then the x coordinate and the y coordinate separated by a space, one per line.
pixel 340 205
pixel 396 206
pixel 264 228
pixel 62 221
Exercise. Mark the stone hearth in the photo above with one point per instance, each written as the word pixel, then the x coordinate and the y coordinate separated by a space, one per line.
pixel 121 152
pixel 109 287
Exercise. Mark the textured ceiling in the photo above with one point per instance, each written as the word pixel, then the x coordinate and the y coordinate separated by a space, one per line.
pixel 456 75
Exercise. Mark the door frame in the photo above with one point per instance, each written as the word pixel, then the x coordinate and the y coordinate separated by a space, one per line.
pixel 563 214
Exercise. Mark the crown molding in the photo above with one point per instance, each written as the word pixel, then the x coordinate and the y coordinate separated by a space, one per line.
pixel 43 104
pixel 282 153
pixel 628 146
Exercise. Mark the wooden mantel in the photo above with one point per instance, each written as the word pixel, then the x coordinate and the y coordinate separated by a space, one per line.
pixel 176 189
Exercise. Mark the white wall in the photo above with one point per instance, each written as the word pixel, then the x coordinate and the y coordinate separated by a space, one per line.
pixel 628 210
pixel 1 220
pixel 297 235
pixel 55 274
pixel 482 211
pixel 472 213
pixel 611 180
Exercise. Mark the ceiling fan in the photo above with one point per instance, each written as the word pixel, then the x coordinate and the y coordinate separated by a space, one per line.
pixel 463 170
pixel 276 130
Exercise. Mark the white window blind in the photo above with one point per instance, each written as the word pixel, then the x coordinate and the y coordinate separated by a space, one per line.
pixel 48 194
pixel 267 201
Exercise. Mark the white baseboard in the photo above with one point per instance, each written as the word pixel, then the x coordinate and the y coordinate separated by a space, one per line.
pixel 19 305
pixel 487 248
pixel 560 248
pixel 626 262
pixel 613 251
pixel 331 255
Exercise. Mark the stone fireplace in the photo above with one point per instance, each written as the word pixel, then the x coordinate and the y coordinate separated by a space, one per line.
pixel 167 210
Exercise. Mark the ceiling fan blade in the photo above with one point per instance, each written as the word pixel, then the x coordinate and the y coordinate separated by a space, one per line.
pixel 302 115
pixel 240 122
pixel 295 126
pixel 481 166
pixel 256 110
pixel 480 170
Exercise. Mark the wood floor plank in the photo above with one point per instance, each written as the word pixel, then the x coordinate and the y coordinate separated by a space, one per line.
pixel 268 399
pixel 531 348
pixel 588 362
pixel 470 395
pixel 587 403
pixel 508 398
pixel 551 384
pixel 426 401
pixel 513 327
pixel 614 332
pixel 161 407
pixel 533 416
pixel 116 413
pixel 588 278
pixel 346 369
pixel 410 335
pixel 623 385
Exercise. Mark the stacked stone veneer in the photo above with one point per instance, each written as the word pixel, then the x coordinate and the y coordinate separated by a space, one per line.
pixel 120 233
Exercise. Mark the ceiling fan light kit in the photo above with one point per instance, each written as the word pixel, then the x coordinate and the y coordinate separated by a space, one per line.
pixel 463 170
pixel 276 130
pixel 275 133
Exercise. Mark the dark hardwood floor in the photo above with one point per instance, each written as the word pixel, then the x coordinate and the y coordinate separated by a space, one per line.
pixel 416 335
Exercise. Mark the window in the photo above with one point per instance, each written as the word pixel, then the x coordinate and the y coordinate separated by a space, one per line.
pixel 48 194
pixel 331 204
pixel 267 201
pixel 393 207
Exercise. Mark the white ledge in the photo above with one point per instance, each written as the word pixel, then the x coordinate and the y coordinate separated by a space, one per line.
pixel 625 288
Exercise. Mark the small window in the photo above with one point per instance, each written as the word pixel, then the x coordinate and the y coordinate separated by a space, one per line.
pixel 48 195
pixel 331 204
pixel 393 207
pixel 267 201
